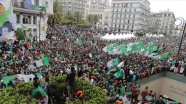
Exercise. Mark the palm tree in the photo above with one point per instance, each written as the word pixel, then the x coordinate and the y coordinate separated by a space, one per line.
pixel 57 16
pixel 68 15
pixel 89 18
pixel 77 16
pixel 95 19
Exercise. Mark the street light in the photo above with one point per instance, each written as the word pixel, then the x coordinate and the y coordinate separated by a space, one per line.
pixel 183 24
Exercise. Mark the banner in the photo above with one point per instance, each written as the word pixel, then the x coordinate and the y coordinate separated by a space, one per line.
pixel 7 20
pixel 28 4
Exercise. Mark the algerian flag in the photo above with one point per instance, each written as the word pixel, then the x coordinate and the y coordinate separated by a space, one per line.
pixel 119 74
pixel 110 63
pixel 164 56
pixel 115 45
pixel 39 63
pixel 79 41
pixel 115 61
pixel 121 64
pixel 110 48
pixel 141 43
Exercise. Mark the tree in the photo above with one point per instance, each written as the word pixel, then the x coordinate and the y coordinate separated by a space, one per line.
pixel 95 19
pixel 22 93
pixel 89 18
pixel 77 16
pixel 57 16
pixel 68 15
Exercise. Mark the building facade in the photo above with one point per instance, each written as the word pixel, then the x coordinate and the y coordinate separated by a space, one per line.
pixel 34 19
pixel 73 6
pixel 130 15
pixel 162 22
pixel 104 17
pixel 95 5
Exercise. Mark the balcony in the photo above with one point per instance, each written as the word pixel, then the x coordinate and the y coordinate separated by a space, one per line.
pixel 19 6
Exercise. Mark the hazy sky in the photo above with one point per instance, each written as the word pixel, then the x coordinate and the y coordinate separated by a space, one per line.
pixel 176 6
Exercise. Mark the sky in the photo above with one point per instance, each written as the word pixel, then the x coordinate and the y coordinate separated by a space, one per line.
pixel 176 6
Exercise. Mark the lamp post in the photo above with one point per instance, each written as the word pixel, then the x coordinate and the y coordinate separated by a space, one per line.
pixel 183 24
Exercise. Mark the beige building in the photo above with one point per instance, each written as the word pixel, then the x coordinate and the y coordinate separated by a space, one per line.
pixel 73 6
pixel 31 19
pixel 130 15
pixel 162 22
pixel 104 17
pixel 94 5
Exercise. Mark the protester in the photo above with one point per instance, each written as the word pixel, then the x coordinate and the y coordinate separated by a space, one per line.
pixel 39 94
pixel 70 50
pixel 70 79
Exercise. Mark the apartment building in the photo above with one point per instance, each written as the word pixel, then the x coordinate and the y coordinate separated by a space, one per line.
pixel 73 6
pixel 28 15
pixel 130 15
pixel 95 5
pixel 104 17
pixel 162 22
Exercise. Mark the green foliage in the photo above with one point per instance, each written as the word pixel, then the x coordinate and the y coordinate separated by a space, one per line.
pixel 83 25
pixel 93 19
pixel 93 94
pixel 57 16
pixel 65 22
pixel 139 34
pixel 22 93
pixel 19 95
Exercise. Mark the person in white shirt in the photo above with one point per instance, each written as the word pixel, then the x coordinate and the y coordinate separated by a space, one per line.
pixel 125 100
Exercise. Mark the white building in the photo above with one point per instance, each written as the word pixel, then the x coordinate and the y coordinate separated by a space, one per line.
pixel 130 15
pixel 104 17
pixel 73 6
pixel 162 22
pixel 94 5
pixel 31 18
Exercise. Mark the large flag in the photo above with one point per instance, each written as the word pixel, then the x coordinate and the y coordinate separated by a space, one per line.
pixel 164 56
pixel 20 35
pixel 28 4
pixel 7 18
pixel 115 61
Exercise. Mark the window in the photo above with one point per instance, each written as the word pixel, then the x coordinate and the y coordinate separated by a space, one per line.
pixel 128 21
pixel 165 15
pixel 134 16
pixel 29 19
pixel 127 26
pixel 18 18
pixel 115 25
pixel 34 20
pixel 134 10
pixel 123 26
pixel 106 17
pixel 132 27
pixel 168 15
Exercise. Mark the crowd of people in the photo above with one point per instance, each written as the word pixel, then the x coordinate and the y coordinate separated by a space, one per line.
pixel 66 54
